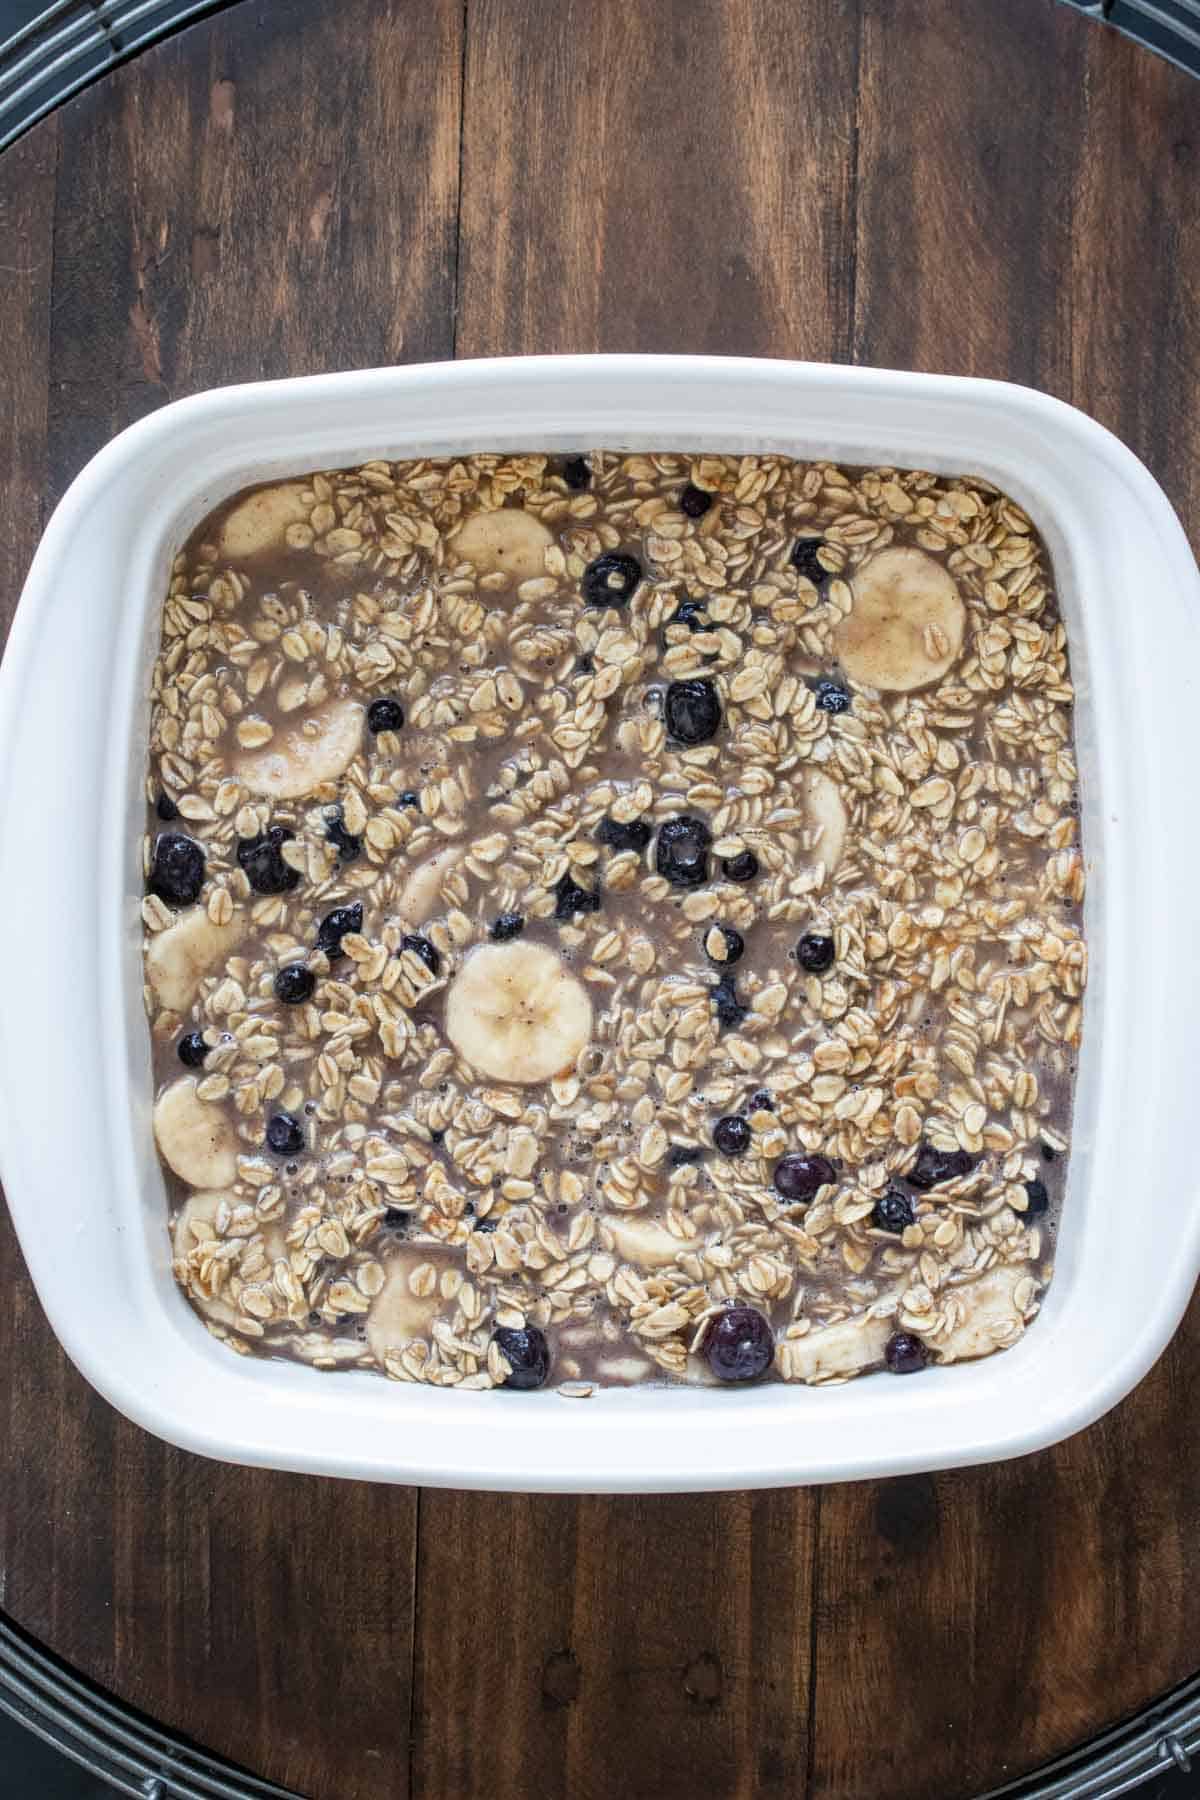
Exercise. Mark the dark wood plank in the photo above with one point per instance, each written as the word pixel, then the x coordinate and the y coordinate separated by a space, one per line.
pixel 1130 351
pixel 652 178
pixel 26 212
pixel 255 197
pixel 669 177
pixel 1027 210
pixel 596 1647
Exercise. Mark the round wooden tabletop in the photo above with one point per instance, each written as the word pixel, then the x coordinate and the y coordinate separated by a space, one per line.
pixel 999 190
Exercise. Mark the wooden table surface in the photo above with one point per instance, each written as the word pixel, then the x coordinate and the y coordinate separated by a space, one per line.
pixel 993 187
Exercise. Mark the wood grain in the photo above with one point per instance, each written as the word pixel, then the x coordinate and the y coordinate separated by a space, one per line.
pixel 610 1646
pixel 27 176
pixel 668 177
pixel 995 1617
pixel 246 200
pixel 638 193
pixel 999 190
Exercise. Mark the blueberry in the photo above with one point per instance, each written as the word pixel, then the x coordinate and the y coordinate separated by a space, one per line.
pixel 570 898
pixel 692 711
pixel 740 1345
pixel 621 835
pixel 688 613
pixel 732 1135
pixel 576 472
pixel 395 1216
pixel 743 867
pixel 528 1354
pixel 344 842
pixel 680 1154
pixel 335 926
pixel 905 1354
pixel 815 952
pixel 934 1166
pixel 832 697
pixel 797 1176
pixel 261 858
pixel 730 1010
pixel 1039 1198
pixel 177 872
pixel 192 1050
pixel 761 1100
pixel 285 1134
pixel 893 1211
pixel 507 926
pixel 384 715
pixel 735 945
pixel 409 797
pixel 294 983
pixel 166 808
pixel 681 853
pixel 421 946
pixel 611 579
pixel 804 559
pixel 694 501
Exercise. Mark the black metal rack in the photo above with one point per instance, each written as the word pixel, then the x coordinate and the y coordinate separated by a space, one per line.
pixel 1170 27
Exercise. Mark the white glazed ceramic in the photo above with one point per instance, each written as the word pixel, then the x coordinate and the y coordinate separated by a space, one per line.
pixel 78 1159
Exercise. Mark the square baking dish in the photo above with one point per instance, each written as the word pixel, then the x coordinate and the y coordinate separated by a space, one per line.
pixel 78 1158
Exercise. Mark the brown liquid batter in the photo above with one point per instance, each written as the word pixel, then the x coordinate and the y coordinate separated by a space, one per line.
pixel 705 814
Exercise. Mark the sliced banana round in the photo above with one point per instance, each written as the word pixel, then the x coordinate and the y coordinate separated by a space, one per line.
pixel 200 1209
pixel 624 1371
pixel 311 751
pixel 845 1348
pixel 515 1012
pixel 195 1137
pixel 986 1315
pixel 422 890
pixel 178 957
pixel 827 821
pixel 315 1347
pixel 645 1242
pixel 398 1315
pixel 260 521
pixel 509 541
pixel 905 626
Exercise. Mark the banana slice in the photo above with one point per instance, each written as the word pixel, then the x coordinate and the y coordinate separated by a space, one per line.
pixel 510 542
pixel 201 1209
pixel 645 1242
pixel 260 520
pixel 905 627
pixel 826 817
pixel 314 1347
pixel 178 957
pixel 846 1348
pixel 421 892
pixel 195 1137
pixel 315 750
pixel 624 1371
pixel 516 1013
pixel 397 1314
pixel 989 1318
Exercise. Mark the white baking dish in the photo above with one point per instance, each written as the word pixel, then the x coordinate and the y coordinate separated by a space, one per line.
pixel 78 1159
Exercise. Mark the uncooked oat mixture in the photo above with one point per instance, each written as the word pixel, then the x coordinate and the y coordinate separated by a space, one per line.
pixel 614 917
